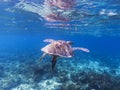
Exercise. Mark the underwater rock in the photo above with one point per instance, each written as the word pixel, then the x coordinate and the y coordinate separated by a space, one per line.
pixel 23 87
pixel 2 71
pixel 91 81
pixel 9 82
pixel 49 84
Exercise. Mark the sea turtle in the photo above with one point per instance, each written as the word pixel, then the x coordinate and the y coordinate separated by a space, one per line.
pixel 59 48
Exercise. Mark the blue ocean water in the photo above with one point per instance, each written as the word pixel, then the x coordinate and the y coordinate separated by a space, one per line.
pixel 23 29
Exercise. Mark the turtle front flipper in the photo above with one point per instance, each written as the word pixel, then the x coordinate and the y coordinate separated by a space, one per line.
pixel 54 60
pixel 40 59
pixel 81 48
pixel 49 40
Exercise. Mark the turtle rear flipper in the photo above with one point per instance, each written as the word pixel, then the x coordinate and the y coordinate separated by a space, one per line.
pixel 40 59
pixel 54 60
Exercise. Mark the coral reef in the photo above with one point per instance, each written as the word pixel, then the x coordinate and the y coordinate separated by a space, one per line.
pixel 26 73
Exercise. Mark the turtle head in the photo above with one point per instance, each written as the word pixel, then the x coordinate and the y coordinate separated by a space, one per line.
pixel 70 42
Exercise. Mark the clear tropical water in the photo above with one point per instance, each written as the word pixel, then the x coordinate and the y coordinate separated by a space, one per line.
pixel 23 29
